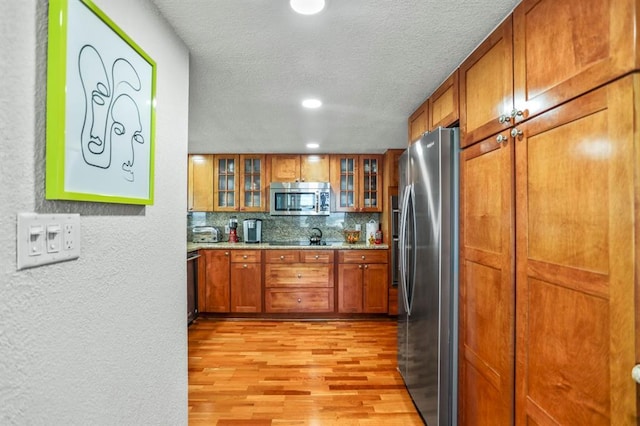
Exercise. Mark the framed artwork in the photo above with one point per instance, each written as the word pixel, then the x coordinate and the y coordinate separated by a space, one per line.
pixel 100 109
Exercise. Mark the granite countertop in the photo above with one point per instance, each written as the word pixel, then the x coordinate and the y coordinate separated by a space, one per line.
pixel 279 246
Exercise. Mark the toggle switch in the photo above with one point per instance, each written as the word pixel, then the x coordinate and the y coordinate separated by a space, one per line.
pixel 54 236
pixel 36 237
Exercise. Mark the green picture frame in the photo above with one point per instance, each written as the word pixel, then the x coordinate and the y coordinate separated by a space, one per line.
pixel 101 109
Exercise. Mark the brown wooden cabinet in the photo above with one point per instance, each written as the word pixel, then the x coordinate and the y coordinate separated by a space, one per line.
pixel 576 254
pixel 246 281
pixel 444 108
pixel 486 86
pixel 419 122
pixel 252 183
pixel 486 286
pixel 356 182
pixel 299 168
pixel 299 281
pixel 239 183
pixel 226 183
pixel 563 49
pixel 363 281
pixel 214 283
pixel 200 182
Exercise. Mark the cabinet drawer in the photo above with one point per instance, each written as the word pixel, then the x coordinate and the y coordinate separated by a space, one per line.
pixel 317 256
pixel 363 256
pixel 282 256
pixel 247 256
pixel 298 275
pixel 294 300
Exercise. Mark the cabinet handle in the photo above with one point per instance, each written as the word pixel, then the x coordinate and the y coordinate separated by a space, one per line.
pixel 299 275
pixel 299 300
pixel 504 118
pixel 359 266
pixel 226 253
pixel 366 266
pixel 244 265
pixel 517 113
pixel 635 373
pixel 244 256
pixel 317 257
pixel 501 138
pixel 281 257
pixel 363 257
pixel 515 132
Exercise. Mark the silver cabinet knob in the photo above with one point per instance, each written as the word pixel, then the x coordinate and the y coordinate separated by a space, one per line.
pixel 244 256
pixel 635 373
pixel 299 300
pixel 502 138
pixel 366 266
pixel 317 257
pixel 281 257
pixel 515 132
pixel 244 265
pixel 299 275
pixel 359 266
pixel 226 253
pixel 363 257
pixel 504 118
pixel 517 113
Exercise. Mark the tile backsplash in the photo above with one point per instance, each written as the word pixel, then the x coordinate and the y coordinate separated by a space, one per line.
pixel 285 228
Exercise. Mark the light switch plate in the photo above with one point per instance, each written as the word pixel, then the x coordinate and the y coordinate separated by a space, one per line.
pixel 47 238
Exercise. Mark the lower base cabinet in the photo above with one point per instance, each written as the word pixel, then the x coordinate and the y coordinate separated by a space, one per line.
pixel 363 281
pixel 246 281
pixel 299 281
pixel 214 292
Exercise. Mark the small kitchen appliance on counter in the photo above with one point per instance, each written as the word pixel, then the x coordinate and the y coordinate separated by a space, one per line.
pixel 233 230
pixel 252 230
pixel 205 234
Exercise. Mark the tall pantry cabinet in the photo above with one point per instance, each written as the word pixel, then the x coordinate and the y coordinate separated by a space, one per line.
pixel 548 281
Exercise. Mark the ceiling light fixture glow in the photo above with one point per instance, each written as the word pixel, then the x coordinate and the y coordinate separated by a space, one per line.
pixel 313 145
pixel 307 7
pixel 312 103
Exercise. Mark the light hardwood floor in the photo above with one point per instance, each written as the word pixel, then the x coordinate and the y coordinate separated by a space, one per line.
pixel 316 373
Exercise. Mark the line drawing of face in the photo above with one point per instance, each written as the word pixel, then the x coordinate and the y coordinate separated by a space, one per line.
pixel 125 132
pixel 97 97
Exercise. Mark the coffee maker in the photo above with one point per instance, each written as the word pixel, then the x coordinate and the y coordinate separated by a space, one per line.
pixel 233 230
pixel 252 230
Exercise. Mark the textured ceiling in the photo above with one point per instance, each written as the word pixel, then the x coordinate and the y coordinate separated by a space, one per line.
pixel 371 62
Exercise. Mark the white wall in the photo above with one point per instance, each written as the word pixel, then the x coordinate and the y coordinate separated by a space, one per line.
pixel 99 340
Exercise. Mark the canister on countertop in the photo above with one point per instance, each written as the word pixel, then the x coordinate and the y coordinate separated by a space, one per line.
pixel 371 229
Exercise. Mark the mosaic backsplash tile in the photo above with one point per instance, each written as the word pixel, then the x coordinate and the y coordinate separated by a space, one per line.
pixel 285 228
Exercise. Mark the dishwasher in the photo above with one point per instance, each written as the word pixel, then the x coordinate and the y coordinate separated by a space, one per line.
pixel 192 286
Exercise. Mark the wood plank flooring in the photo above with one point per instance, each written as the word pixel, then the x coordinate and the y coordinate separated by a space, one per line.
pixel 316 373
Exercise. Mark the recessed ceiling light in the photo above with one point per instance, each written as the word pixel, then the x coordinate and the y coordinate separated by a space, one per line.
pixel 307 7
pixel 313 145
pixel 312 103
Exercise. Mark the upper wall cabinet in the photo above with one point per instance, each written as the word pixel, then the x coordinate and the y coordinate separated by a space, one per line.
pixel 563 49
pixel 226 182
pixel 443 104
pixel 252 183
pixel 486 86
pixel 299 168
pixel 200 181
pixel 239 183
pixel 419 122
pixel 547 53
pixel 356 183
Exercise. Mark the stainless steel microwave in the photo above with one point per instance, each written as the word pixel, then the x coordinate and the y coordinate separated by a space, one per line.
pixel 300 198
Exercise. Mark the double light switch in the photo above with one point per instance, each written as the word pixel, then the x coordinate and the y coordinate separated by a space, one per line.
pixel 47 238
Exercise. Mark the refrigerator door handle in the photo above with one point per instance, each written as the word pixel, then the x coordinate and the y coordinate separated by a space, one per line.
pixel 403 247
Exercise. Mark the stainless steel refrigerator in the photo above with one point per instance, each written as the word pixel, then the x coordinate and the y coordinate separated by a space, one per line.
pixel 427 320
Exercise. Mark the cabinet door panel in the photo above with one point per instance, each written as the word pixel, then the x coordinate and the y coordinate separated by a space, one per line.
pixel 350 288
pixel 486 86
pixel 299 275
pixel 419 122
pixel 565 48
pixel 246 287
pixel 487 289
pixel 216 284
pixel 376 288
pixel 285 168
pixel 200 189
pixel 284 300
pixel 314 168
pixel 575 261
pixel 444 108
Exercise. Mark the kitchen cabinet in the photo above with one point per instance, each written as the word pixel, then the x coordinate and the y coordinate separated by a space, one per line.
pixel 576 259
pixel 356 183
pixel 246 281
pixel 299 281
pixel 200 182
pixel 363 281
pixel 226 182
pixel 419 122
pixel 554 198
pixel 544 54
pixel 486 285
pixel 215 285
pixel 252 183
pixel 299 168
pixel 444 108
pixel 239 183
